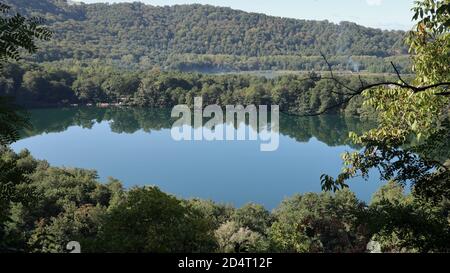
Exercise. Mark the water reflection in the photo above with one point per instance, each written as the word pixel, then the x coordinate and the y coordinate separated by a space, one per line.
pixel 332 130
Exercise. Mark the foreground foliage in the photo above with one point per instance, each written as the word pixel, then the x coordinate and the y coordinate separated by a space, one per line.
pixel 17 34
pixel 56 205
pixel 411 143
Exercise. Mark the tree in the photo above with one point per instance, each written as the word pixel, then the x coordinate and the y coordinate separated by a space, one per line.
pixel 206 38
pixel 81 224
pixel 12 176
pixel 319 223
pixel 116 86
pixel 232 238
pixel 18 32
pixel 414 118
pixel 254 217
pixel 148 220
pixel 410 145
pixel 12 120
pixel 88 90
pixel 404 223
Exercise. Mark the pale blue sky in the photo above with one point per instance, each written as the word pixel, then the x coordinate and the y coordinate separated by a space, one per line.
pixel 386 14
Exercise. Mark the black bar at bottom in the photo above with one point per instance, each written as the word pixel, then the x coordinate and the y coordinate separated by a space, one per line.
pixel 224 262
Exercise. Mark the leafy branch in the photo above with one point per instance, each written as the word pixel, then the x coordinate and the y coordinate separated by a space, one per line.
pixel 18 32
pixel 353 92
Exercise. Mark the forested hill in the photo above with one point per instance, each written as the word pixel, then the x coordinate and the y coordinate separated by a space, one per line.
pixel 178 36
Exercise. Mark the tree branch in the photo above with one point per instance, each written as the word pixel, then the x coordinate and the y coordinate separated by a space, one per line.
pixel 355 92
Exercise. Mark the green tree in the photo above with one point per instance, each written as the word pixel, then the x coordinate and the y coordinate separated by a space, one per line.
pixel 410 145
pixel 88 90
pixel 18 32
pixel 404 223
pixel 148 220
pixel 12 176
pixel 233 238
pixel 413 120
pixel 81 224
pixel 206 38
pixel 319 223
pixel 254 217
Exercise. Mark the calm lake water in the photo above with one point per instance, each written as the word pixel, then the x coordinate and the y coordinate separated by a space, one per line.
pixel 135 146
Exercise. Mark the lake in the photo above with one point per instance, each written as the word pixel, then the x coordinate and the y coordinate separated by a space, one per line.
pixel 135 146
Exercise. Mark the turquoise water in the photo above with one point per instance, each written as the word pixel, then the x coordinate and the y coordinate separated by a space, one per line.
pixel 135 146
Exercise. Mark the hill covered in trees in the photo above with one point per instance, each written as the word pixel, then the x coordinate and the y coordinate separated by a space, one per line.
pixel 206 38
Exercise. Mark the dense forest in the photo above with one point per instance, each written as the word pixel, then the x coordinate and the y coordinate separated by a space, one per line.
pixel 207 38
pixel 71 204
pixel 47 85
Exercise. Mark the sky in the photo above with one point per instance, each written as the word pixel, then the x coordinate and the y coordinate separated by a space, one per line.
pixel 385 14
